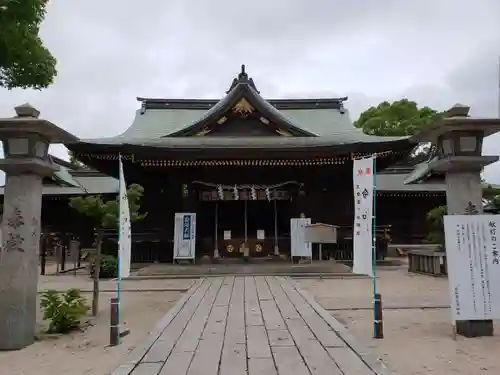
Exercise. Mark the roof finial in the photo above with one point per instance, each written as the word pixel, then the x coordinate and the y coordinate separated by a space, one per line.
pixel 242 79
pixel 243 76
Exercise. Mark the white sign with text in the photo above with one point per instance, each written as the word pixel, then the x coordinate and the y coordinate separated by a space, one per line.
pixel 299 246
pixel 184 235
pixel 473 265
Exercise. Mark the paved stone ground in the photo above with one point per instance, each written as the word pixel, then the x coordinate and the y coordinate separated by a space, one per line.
pixel 248 325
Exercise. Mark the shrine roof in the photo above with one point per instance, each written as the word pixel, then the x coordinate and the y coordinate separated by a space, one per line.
pixel 337 139
pixel 172 122
pixel 420 173
pixel 156 122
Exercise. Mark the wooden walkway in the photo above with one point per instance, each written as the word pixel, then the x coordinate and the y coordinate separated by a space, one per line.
pixel 246 326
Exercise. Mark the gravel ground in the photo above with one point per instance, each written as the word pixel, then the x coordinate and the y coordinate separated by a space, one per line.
pixel 86 352
pixel 417 324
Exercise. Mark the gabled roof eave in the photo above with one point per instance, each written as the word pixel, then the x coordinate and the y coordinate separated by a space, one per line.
pixel 239 91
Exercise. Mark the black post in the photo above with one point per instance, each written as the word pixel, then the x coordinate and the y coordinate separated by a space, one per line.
pixel 43 253
pixel 79 256
pixel 114 328
pixel 379 325
pixel 63 252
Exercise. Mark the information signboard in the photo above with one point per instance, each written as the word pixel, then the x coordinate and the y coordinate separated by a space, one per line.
pixel 473 265
pixel 184 236
pixel 299 246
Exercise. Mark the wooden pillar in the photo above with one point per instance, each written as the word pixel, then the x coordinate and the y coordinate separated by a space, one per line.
pixel 300 204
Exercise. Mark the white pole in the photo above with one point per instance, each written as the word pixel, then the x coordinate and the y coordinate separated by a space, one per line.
pixel 246 224
pixel 374 244
pixel 499 86
pixel 216 251
pixel 276 247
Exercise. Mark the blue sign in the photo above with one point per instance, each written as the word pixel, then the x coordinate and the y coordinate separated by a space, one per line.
pixel 186 227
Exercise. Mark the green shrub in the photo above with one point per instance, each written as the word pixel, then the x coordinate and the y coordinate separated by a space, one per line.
pixel 63 311
pixel 109 267
pixel 435 217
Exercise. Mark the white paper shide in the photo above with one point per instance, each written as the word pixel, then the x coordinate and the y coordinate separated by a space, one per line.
pixel 125 240
pixel 472 251
pixel 363 215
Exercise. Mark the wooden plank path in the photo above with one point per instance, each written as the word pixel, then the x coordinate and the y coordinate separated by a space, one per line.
pixel 248 325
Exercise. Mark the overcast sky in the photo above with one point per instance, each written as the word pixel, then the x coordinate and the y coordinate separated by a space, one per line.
pixel 436 52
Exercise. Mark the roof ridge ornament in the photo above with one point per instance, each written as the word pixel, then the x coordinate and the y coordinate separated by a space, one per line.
pixel 458 110
pixel 26 110
pixel 243 74
pixel 242 79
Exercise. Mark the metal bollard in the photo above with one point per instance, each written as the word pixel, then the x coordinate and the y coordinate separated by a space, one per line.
pixel 378 323
pixel 114 328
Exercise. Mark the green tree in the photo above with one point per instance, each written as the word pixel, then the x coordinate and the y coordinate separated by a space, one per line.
pixel 399 118
pixel 75 163
pixel 490 193
pixel 105 214
pixel 435 217
pixel 492 196
pixel 24 60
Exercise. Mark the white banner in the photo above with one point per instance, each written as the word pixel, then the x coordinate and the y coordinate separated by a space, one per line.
pixel 473 265
pixel 184 235
pixel 362 235
pixel 125 241
pixel 299 246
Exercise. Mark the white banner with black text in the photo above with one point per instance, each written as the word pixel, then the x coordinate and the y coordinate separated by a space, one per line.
pixel 125 241
pixel 472 251
pixel 362 235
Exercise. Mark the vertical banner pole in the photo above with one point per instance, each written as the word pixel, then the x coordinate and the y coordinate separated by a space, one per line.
pixel 216 229
pixel 378 331
pixel 118 273
pixel 374 246
pixel 275 227
pixel 498 98
pixel 246 224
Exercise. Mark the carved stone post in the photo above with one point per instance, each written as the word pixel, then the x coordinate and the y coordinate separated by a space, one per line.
pixel 459 139
pixel 26 141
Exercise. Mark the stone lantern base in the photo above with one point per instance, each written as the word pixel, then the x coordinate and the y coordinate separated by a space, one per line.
pixel 26 140
pixel 474 328
pixel 19 260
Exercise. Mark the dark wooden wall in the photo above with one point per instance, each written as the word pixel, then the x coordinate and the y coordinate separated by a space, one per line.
pixel 326 196
pixel 406 213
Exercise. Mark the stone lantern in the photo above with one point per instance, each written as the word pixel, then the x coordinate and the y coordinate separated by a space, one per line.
pixel 459 139
pixel 26 140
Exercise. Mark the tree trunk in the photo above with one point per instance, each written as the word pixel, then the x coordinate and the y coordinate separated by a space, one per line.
pixel 97 271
